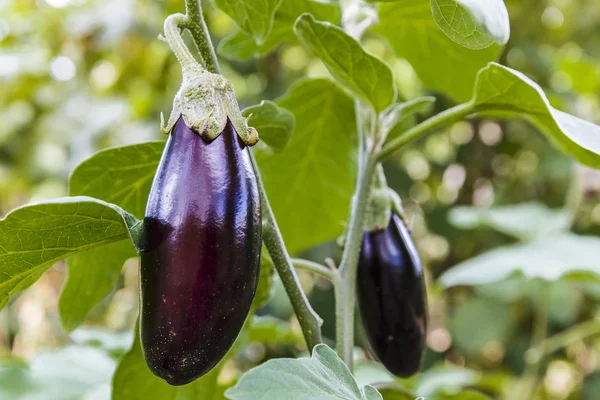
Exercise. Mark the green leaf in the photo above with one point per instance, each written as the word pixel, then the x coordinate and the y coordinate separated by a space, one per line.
pixel 361 73
pixel 35 236
pixel 323 376
pixel 525 221
pixel 121 176
pixel 270 330
pixel 397 114
pixel 475 24
pixel 91 275
pixel 441 64
pixel 479 321
pixel 273 123
pixel 241 45
pixel 501 89
pixel 255 17
pixel 316 168
pixel 550 259
pixel 70 373
pixel 134 381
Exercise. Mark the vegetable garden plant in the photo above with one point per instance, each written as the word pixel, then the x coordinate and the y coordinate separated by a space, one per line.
pixel 208 212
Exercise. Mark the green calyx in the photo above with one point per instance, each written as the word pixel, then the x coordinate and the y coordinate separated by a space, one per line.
pixel 382 201
pixel 205 100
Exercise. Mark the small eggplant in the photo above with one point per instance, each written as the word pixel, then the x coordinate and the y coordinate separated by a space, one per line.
pixel 200 253
pixel 391 297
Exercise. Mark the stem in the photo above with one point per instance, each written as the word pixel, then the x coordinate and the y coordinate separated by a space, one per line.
pixel 315 268
pixel 173 36
pixel 565 338
pixel 307 318
pixel 529 380
pixel 443 118
pixel 197 26
pixel 345 298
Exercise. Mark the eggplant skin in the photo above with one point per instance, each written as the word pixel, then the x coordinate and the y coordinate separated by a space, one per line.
pixel 200 253
pixel 391 298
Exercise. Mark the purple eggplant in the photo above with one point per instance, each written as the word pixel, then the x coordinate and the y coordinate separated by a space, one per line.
pixel 391 297
pixel 200 253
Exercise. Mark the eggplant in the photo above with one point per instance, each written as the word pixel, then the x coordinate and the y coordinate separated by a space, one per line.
pixel 200 253
pixel 391 297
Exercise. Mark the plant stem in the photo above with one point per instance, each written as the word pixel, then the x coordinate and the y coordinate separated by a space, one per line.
pixel 450 115
pixel 197 26
pixel 315 268
pixel 308 319
pixel 345 298
pixel 565 338
pixel 172 26
pixel 528 383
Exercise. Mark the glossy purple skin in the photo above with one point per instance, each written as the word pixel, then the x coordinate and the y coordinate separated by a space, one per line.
pixel 391 298
pixel 200 253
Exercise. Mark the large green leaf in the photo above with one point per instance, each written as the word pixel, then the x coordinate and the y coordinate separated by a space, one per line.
pixel 91 275
pixel 273 123
pixel 311 181
pixel 525 221
pixel 549 258
pixel 478 321
pixel 255 17
pixel 324 376
pixel 475 24
pixel 121 176
pixel 35 236
pixel 134 381
pixel 440 63
pixel 356 70
pixel 504 90
pixel 241 45
pixel 70 373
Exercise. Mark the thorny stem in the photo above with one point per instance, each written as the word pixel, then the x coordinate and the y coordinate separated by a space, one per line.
pixel 197 26
pixel 308 319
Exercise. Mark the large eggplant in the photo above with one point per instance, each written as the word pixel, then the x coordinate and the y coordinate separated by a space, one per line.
pixel 391 297
pixel 200 253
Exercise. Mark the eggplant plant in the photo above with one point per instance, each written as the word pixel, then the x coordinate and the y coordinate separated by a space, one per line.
pixel 210 212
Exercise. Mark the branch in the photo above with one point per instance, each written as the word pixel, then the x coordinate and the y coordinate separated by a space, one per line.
pixel 315 268
pixel 307 317
pixel 197 27
pixel 452 114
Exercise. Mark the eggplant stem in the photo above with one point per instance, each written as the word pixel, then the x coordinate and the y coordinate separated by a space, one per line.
pixel 172 27
pixel 197 26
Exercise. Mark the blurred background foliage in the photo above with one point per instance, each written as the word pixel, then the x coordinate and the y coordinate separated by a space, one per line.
pixel 80 75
